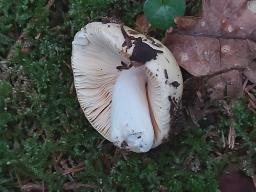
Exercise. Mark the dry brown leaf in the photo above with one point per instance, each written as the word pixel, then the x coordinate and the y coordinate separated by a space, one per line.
pixel 236 182
pixel 221 40
pixel 230 19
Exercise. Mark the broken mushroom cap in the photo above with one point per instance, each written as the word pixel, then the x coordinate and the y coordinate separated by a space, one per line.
pixel 128 84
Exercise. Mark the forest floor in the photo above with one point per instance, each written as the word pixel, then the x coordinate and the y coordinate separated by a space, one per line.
pixel 46 143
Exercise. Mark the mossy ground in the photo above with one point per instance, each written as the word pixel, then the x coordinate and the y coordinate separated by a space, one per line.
pixel 47 144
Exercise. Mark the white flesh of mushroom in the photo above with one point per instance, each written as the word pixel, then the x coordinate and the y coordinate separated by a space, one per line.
pixel 131 126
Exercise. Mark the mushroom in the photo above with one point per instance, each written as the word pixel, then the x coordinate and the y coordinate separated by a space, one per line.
pixel 127 84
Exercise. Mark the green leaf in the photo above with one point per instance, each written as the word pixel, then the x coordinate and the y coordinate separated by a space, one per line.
pixel 161 13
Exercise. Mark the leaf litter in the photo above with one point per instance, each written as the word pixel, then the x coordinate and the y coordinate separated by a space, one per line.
pixel 217 51
pixel 235 54
pixel 221 41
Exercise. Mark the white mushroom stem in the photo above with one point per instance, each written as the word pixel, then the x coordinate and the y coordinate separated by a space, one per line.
pixel 131 125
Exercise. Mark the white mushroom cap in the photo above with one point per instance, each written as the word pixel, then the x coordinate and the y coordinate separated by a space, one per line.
pixel 127 84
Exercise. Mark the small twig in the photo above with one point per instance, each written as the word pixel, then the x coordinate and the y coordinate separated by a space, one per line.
pixel 199 96
pixel 100 143
pixel 193 117
pixel 75 169
pixel 217 153
pixel 251 96
pixel 250 87
pixel 247 89
pixel 71 89
pixel 4 62
pixel 43 186
pixel 223 140
pixel 254 180
pixel 67 65
pixel 122 152
pixel 18 179
pixel 58 158
pixel 252 104
pixel 29 187
pixel 245 83
pixel 231 137
pixel 71 186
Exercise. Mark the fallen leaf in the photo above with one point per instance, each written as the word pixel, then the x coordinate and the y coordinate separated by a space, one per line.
pixel 236 182
pixel 222 40
pixel 229 19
